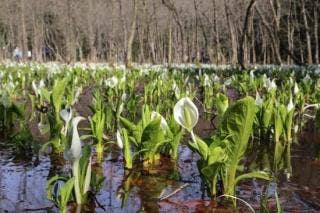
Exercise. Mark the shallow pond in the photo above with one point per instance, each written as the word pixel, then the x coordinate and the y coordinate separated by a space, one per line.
pixel 23 185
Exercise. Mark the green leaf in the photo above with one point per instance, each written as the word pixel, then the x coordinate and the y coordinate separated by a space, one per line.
pixel 127 149
pixel 211 173
pixel 85 169
pixel 217 155
pixel 45 94
pixel 250 175
pixel 152 136
pixel 222 103
pixel 50 186
pixel 237 123
pixel 267 112
pixel 279 208
pixel 201 147
pixel 58 92
pixel 65 193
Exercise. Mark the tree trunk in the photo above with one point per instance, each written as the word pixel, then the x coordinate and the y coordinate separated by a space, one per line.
pixel 170 42
pixel 197 48
pixel 171 7
pixel 232 32
pixel 92 37
pixel 132 33
pixel 24 41
pixel 290 33
pixel 308 37
pixel 273 36
pixel 316 31
pixel 241 60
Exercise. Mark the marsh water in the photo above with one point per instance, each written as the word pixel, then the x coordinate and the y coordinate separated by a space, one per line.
pixel 23 180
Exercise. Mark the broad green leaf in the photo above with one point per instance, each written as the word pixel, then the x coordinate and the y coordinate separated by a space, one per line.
pixel 250 175
pixel 267 112
pixel 58 92
pixel 217 155
pixel 222 103
pixel 237 123
pixel 211 173
pixel 65 193
pixel 127 149
pixel 201 147
pixel 153 137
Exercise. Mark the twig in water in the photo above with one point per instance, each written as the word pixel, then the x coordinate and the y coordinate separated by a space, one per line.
pixel 39 209
pixel 236 198
pixel 99 204
pixel 174 192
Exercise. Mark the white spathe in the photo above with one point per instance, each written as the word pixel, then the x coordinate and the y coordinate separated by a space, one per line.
pixel 259 100
pixel 271 85
pixel 36 88
pixel 186 113
pixel 74 153
pixel 290 105
pixel 252 74
pixel 66 115
pixel 207 80
pixel 112 82
pixel 163 122
pixel 119 139
pixel 296 88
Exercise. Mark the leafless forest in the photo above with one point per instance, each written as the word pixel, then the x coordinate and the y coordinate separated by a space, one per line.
pixel 163 31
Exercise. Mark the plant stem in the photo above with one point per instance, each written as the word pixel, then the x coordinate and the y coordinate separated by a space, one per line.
pixel 75 171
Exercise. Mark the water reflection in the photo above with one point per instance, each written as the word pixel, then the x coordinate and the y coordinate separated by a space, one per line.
pixel 148 188
pixel 23 184
pixel 22 181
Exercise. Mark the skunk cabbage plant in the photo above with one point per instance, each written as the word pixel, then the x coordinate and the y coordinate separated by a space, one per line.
pixel 221 157
pixel 81 167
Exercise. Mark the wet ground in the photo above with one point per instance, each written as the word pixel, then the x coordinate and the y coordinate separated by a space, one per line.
pixel 23 178
pixel 23 185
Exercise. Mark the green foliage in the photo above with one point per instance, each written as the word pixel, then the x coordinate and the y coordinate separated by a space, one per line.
pixel 57 98
pixel 222 103
pixel 150 137
pixel 222 157
pixel 97 122
pixel 61 195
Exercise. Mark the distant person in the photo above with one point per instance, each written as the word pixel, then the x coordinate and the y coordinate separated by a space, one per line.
pixel 17 54
pixel 29 55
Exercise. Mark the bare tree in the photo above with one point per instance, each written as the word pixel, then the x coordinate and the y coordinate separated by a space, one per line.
pixel 158 31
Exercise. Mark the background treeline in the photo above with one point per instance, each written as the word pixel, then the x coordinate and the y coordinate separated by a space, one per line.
pixel 158 31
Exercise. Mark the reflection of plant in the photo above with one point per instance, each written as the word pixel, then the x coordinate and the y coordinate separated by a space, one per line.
pixel 124 190
pixel 149 189
pixel 283 126
pixel 220 158
pixel 97 180
pixel 22 142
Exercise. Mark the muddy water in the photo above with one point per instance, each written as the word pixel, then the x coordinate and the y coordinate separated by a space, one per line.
pixel 23 185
